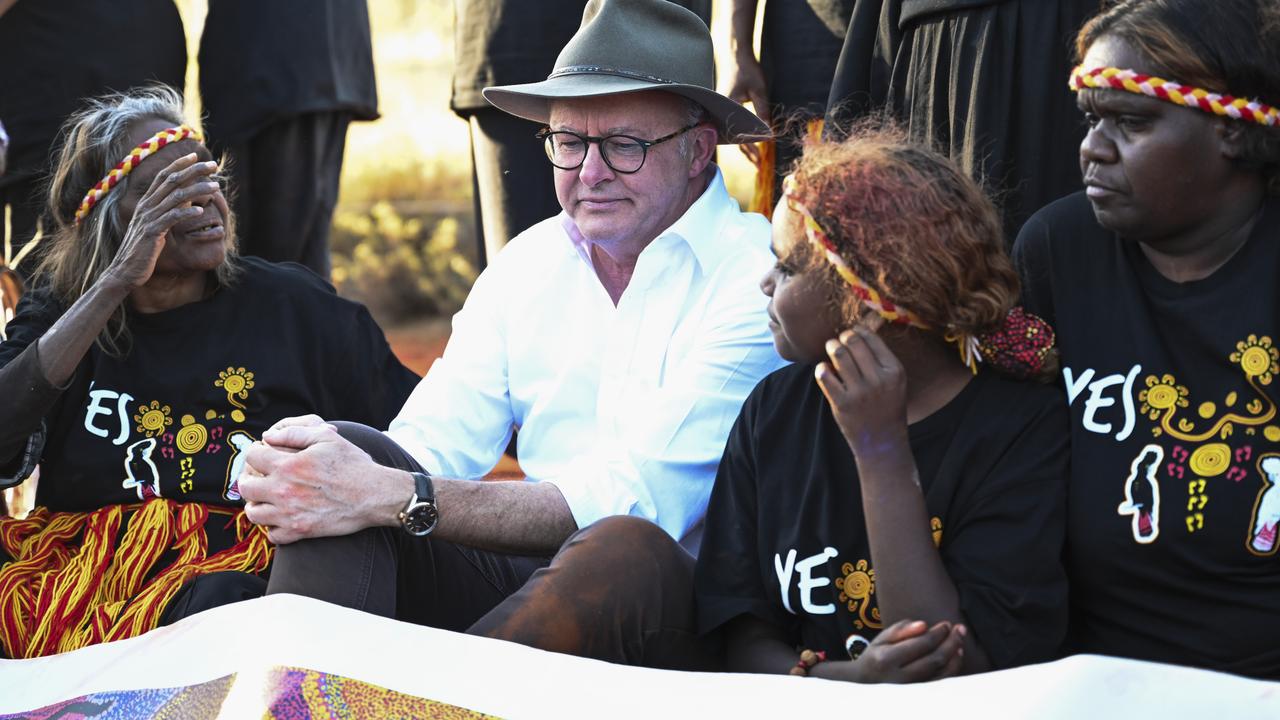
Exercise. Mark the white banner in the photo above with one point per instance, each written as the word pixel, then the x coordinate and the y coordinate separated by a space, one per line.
pixel 286 656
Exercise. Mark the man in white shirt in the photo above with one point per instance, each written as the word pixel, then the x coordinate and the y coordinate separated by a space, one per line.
pixel 621 337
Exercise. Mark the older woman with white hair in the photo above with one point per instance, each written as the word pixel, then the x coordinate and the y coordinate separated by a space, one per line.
pixel 148 357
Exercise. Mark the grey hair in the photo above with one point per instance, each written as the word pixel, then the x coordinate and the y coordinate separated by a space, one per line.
pixel 95 138
pixel 694 112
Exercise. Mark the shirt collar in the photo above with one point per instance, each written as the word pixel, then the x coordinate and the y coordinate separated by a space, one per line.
pixel 697 227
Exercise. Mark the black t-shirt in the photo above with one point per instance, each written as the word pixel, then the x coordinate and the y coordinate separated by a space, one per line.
pixel 53 55
pixel 785 539
pixel 1171 531
pixel 202 382
pixel 264 61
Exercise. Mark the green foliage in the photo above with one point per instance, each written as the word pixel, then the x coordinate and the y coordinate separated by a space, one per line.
pixel 400 267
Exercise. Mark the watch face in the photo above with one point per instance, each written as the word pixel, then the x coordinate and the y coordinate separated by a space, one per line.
pixel 419 519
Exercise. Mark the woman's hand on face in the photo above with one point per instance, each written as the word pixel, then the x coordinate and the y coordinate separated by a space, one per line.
pixel 867 388
pixel 907 651
pixel 176 194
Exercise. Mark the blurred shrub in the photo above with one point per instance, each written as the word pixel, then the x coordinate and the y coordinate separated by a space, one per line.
pixel 401 268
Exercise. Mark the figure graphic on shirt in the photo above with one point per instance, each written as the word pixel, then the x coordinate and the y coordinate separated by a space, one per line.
pixel 239 442
pixel 140 471
pixel 1266 512
pixel 1142 495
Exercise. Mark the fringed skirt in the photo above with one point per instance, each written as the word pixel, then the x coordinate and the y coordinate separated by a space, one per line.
pixel 76 579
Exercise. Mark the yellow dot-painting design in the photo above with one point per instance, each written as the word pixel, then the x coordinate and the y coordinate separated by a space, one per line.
pixel 1211 460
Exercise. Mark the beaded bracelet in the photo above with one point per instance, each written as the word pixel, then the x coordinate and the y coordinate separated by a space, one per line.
pixel 808 658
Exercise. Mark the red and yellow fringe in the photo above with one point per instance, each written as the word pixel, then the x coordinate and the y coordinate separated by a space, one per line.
pixel 74 581
pixel 763 198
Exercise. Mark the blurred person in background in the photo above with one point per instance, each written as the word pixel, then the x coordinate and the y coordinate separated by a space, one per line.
pixel 789 84
pixel 281 81
pixel 977 81
pixel 54 56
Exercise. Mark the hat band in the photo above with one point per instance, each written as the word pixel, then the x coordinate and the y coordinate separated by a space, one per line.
pixel 603 70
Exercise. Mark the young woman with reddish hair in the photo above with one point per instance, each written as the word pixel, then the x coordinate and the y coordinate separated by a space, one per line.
pixel 893 500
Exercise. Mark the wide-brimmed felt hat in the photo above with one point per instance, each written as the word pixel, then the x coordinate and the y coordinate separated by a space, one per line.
pixel 626 46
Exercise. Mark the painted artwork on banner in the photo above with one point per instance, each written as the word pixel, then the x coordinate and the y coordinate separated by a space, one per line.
pixel 288 694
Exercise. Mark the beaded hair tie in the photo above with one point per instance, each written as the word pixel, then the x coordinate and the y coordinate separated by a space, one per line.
pixel 1019 346
pixel 1110 78
pixel 131 161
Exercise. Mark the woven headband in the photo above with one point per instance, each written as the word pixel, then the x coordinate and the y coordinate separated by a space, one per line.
pixel 131 161
pixel 1019 346
pixel 871 297
pixel 1110 78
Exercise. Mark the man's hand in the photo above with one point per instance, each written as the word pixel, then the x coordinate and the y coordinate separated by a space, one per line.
pixel 867 388
pixel 305 480
pixel 905 652
pixel 749 87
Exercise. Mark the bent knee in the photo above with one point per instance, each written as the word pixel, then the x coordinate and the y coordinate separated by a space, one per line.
pixel 358 434
pixel 623 541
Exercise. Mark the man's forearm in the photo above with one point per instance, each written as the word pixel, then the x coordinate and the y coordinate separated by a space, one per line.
pixel 512 516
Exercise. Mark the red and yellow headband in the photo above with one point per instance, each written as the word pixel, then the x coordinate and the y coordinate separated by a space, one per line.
pixel 131 161
pixel 871 297
pixel 1110 78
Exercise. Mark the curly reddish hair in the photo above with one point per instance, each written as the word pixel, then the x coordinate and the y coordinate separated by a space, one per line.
pixel 909 222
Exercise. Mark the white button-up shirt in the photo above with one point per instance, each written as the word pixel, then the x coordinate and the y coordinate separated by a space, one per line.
pixel 625 409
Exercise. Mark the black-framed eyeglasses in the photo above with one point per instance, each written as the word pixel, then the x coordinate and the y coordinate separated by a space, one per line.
pixel 623 153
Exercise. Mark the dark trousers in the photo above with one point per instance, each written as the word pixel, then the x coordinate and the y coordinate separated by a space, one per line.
pixel 512 179
pixel 426 581
pixel 620 590
pixel 285 183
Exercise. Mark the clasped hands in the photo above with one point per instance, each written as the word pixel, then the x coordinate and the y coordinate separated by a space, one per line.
pixel 304 480
pixel 907 651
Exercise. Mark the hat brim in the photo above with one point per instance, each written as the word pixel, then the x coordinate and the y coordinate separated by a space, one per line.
pixel 532 101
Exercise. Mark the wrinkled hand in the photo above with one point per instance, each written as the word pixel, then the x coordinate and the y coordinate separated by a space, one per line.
pixel 749 86
pixel 305 480
pixel 867 388
pixel 907 651
pixel 176 194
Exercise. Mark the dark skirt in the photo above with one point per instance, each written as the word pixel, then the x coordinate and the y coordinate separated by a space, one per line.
pixel 985 83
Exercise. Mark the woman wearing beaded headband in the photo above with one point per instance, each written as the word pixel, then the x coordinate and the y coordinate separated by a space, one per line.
pixel 1161 281
pixel 897 520
pixel 145 360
